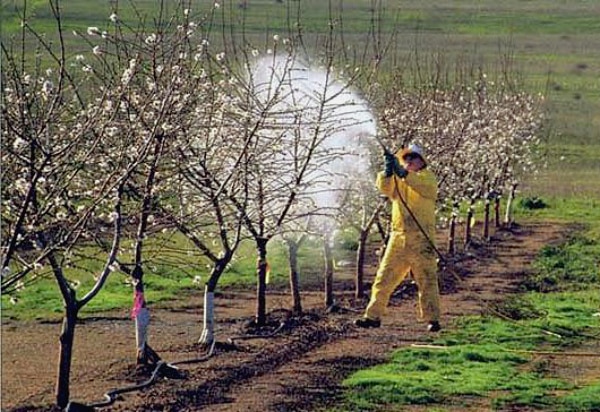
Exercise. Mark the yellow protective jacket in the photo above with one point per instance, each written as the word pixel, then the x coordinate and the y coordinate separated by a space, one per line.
pixel 419 190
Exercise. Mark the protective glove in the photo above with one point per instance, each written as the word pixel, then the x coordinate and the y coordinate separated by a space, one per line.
pixel 393 166
pixel 389 160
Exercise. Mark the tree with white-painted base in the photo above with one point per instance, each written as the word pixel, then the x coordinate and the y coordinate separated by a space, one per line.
pixel 62 184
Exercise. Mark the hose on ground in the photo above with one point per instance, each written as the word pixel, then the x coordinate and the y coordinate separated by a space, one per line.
pixel 111 396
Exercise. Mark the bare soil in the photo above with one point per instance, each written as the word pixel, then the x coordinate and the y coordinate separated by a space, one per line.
pixel 299 368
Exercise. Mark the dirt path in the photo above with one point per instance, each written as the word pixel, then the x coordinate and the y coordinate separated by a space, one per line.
pixel 299 369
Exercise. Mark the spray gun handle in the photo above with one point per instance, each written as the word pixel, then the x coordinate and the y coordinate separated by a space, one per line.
pixel 386 151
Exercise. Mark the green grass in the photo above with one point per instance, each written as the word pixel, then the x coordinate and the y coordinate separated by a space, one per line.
pixel 172 268
pixel 442 376
pixel 581 210
pixel 485 357
pixel 572 171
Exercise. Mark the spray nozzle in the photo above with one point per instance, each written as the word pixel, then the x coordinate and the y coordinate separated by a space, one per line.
pixel 386 151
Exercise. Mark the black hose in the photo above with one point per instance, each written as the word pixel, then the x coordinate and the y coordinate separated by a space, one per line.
pixel 197 360
pixel 111 396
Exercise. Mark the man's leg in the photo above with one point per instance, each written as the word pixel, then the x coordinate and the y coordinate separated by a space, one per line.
pixel 392 271
pixel 425 273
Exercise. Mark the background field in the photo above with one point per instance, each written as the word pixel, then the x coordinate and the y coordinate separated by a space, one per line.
pixel 553 45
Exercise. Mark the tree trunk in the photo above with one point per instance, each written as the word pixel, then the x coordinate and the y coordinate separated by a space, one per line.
pixel 452 235
pixel 141 314
pixel 497 211
pixel 509 204
pixel 360 263
pixel 468 225
pixel 67 337
pixel 261 287
pixel 294 280
pixel 328 273
pixel 208 330
pixel 486 220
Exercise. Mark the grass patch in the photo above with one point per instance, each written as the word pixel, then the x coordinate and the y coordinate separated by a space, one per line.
pixel 581 400
pixel 486 357
pixel 582 210
pixel 571 265
pixel 172 267
pixel 426 376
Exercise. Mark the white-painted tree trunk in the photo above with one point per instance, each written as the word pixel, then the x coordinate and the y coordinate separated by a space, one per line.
pixel 208 331
pixel 142 320
pixel 509 205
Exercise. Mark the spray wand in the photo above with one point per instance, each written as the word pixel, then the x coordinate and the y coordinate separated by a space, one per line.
pixel 408 209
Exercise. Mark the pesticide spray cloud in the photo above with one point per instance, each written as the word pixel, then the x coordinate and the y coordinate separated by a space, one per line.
pixel 317 108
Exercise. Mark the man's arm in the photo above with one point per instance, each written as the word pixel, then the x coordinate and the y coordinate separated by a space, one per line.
pixel 423 182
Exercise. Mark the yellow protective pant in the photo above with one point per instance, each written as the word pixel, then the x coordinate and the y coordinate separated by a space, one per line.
pixel 400 258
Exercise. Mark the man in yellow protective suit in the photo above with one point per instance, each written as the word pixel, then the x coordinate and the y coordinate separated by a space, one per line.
pixel 407 182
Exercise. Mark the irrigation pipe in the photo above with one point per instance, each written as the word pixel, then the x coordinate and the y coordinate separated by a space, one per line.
pixel 111 396
pixel 553 353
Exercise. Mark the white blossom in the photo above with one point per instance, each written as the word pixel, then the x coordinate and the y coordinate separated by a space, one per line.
pixel 19 143
pixel 151 39
pixel 47 87
pixel 126 76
